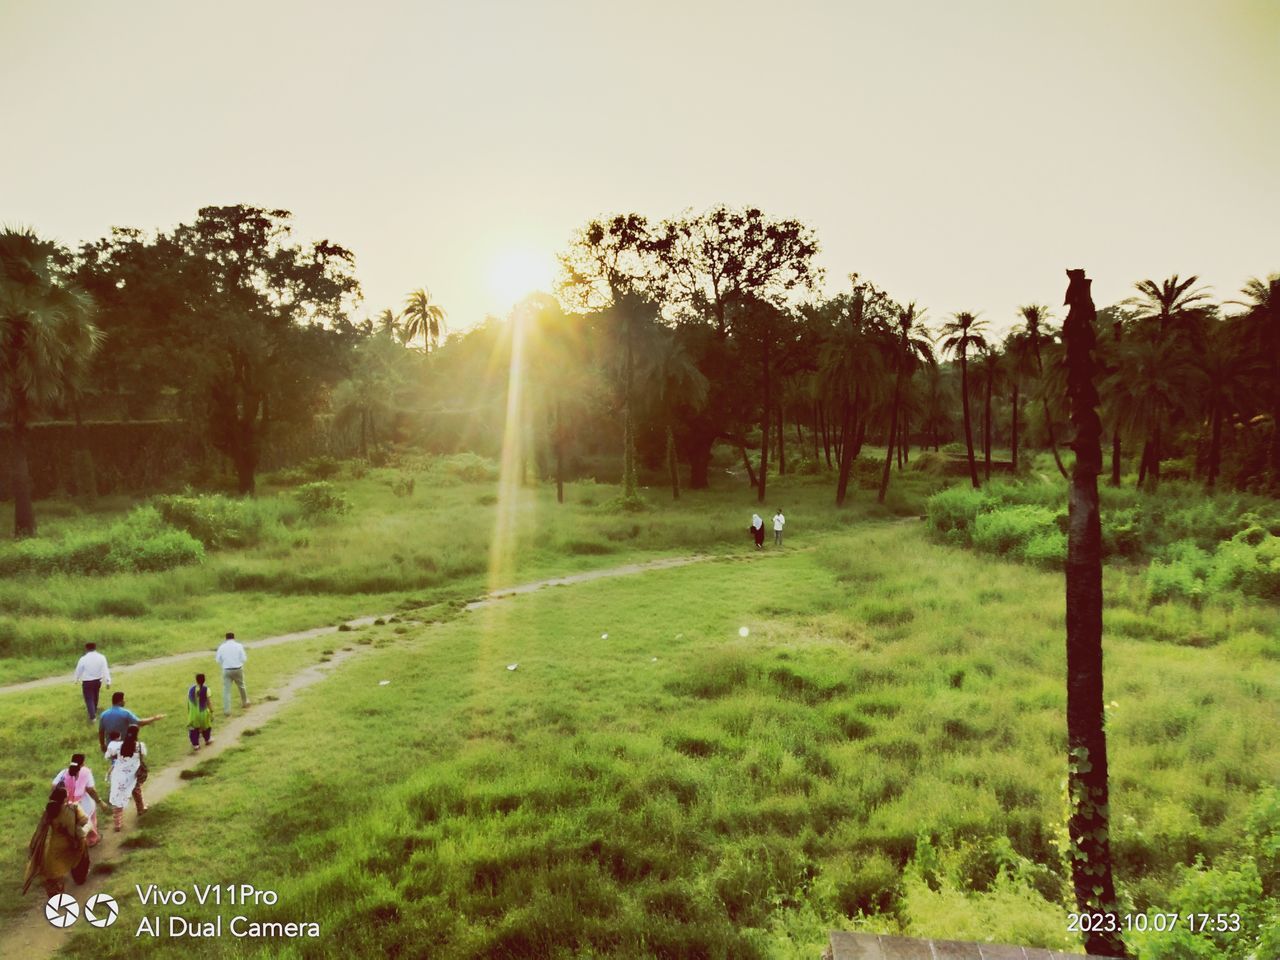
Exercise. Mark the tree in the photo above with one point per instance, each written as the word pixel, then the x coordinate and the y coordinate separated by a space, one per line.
pixel 388 324
pixel 1020 363
pixel 1259 333
pixel 421 318
pixel 369 393
pixel 46 337
pixel 1034 317
pixel 962 334
pixel 1089 824
pixel 676 384
pixel 911 349
pixel 936 404
pixel 267 319
pixel 991 364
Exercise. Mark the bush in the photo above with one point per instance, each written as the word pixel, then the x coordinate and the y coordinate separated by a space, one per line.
pixel 142 541
pixel 470 467
pixel 931 462
pixel 216 521
pixel 952 512
pixel 1047 549
pixel 321 500
pixel 1009 529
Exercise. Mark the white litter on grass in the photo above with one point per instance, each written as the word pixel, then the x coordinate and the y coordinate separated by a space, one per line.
pixel 743 631
pixel 653 659
pixel 383 683
pixel 604 636
pixel 512 666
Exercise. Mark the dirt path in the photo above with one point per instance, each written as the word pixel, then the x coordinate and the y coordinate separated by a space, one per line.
pixel 29 935
pixel 121 670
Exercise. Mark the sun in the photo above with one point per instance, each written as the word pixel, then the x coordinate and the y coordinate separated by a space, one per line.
pixel 517 273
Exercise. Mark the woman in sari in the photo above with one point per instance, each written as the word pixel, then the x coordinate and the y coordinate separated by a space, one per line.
pixel 128 755
pixel 77 780
pixel 58 846
pixel 199 716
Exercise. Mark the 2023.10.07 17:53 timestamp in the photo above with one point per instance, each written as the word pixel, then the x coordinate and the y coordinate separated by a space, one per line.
pixel 1159 921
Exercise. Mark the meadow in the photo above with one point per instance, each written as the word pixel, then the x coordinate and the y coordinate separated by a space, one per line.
pixel 882 750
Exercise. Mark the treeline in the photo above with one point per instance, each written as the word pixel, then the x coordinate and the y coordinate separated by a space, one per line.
pixel 667 338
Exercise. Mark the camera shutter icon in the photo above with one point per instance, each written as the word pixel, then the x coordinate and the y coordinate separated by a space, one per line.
pixel 62 910
pixel 101 910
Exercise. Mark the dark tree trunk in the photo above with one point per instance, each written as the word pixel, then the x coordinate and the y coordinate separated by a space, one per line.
pixel 559 454
pixel 1215 449
pixel 782 444
pixel 699 443
pixel 893 425
pixel 799 433
pixel 986 434
pixel 817 420
pixel 904 440
pixel 826 439
pixel 1089 824
pixel 1013 428
pixel 968 428
pixel 764 423
pixel 1053 440
pixel 746 462
pixel 846 455
pixel 1115 458
pixel 24 514
pixel 673 464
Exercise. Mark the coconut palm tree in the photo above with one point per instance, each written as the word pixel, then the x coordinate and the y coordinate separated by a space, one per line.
pixel 674 382
pixel 388 324
pixel 1259 334
pixel 964 334
pixel 991 363
pixel 46 337
pixel 422 318
pixel 911 348
pixel 1019 363
pixel 1034 316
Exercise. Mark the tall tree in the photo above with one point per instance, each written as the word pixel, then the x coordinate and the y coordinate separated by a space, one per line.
pixel 46 336
pixel 421 318
pixel 1089 824
pixel 1259 333
pixel 962 335
pixel 1020 363
pixel 1034 316
pixel 911 348
pixel 992 365
pixel 676 384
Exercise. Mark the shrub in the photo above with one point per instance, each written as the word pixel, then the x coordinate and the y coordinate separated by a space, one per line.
pixel 1008 529
pixel 470 467
pixel 142 541
pixel 930 462
pixel 321 500
pixel 952 512
pixel 216 521
pixel 1048 549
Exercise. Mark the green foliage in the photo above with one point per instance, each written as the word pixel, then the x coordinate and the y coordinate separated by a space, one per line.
pixel 141 542
pixel 221 522
pixel 321 501
pixel 1008 531
pixel 952 513
pixel 470 468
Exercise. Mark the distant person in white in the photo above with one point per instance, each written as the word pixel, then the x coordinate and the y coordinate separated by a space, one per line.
pixel 231 657
pixel 91 673
pixel 779 521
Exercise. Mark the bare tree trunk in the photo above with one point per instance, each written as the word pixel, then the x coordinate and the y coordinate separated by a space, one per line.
pixel 764 424
pixel 904 439
pixel 986 433
pixel 1089 823
pixel 1013 440
pixel 1115 458
pixel 782 444
pixel 746 462
pixel 846 455
pixel 893 425
pixel 968 429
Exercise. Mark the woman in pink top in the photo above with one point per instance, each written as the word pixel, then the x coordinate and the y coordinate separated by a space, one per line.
pixel 77 779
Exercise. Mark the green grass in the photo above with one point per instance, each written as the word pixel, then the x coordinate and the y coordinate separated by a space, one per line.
pixel 884 750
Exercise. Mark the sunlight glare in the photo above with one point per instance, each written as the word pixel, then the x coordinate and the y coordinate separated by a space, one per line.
pixel 517 273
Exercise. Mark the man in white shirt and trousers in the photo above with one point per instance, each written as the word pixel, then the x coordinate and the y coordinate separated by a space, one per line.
pixel 91 672
pixel 231 657
pixel 779 521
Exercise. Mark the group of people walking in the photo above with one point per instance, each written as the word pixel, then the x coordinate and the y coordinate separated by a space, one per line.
pixel 757 529
pixel 68 826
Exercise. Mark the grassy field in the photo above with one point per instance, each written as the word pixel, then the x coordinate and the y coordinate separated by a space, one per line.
pixel 883 749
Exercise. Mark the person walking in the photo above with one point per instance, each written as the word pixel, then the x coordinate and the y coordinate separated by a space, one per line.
pixel 231 657
pixel 117 719
pixel 757 530
pixel 128 772
pixel 91 673
pixel 779 521
pixel 59 846
pixel 77 779
pixel 199 713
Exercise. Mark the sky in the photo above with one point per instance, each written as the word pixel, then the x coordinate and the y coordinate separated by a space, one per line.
pixel 958 154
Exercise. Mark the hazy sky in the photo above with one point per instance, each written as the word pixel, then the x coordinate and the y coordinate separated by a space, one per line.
pixel 961 154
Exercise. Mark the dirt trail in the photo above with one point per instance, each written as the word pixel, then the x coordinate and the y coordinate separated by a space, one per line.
pixel 121 670
pixel 30 936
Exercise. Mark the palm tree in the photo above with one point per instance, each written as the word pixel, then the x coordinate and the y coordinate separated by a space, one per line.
pixel 1020 362
pixel 422 318
pixel 675 383
pixel 991 363
pixel 46 337
pixel 388 324
pixel 1034 317
pixel 964 333
pixel 1225 378
pixel 910 350
pixel 1259 333
pixel 1152 381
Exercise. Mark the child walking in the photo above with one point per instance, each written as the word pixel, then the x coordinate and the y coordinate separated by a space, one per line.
pixel 199 715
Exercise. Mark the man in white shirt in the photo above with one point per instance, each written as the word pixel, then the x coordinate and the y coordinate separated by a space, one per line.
pixel 231 657
pixel 91 673
pixel 779 521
